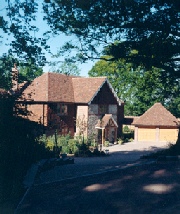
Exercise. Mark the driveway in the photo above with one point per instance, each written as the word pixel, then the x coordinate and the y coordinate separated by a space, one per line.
pixel 119 183
pixel 121 156
pixel 143 189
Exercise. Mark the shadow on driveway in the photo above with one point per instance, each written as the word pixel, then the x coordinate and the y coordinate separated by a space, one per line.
pixel 152 188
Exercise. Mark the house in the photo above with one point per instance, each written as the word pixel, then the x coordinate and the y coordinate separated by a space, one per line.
pixel 73 105
pixel 157 124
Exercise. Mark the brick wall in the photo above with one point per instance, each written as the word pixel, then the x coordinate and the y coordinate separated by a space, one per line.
pixel 38 113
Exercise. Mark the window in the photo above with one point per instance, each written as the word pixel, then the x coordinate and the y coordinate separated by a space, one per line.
pixel 60 109
pixel 103 109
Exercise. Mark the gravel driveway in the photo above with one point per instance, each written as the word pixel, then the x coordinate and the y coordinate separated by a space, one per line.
pixel 120 156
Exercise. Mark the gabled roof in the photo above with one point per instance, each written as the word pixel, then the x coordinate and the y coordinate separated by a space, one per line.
pixel 157 115
pixel 54 87
pixel 104 121
pixel 85 88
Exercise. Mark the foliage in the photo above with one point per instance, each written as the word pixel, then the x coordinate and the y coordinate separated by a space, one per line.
pixel 27 71
pixel 139 88
pixel 64 143
pixel 67 68
pixel 81 124
pixel 77 146
pixel 6 64
pixel 126 129
pixel 18 150
pixel 106 143
pixel 151 28
pixel 19 25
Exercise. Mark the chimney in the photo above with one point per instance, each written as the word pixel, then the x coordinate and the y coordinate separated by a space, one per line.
pixel 14 78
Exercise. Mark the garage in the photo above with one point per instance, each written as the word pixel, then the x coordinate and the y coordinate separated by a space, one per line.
pixel 146 133
pixel 157 124
pixel 168 135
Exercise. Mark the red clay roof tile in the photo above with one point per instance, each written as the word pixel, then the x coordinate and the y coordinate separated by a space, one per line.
pixel 54 87
pixel 157 115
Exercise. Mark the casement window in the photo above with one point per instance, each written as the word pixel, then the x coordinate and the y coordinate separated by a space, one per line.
pixel 59 109
pixel 103 109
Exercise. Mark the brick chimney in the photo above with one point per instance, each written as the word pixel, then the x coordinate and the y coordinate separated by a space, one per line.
pixel 14 78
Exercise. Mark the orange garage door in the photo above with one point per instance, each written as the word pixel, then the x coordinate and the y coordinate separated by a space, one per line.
pixel 168 135
pixel 146 134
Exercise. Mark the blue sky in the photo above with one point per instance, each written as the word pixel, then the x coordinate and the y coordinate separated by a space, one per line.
pixel 84 68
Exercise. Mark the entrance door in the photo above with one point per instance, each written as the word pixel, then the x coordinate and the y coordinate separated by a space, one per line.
pixel 111 134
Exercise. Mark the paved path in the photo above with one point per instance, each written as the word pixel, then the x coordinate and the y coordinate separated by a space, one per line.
pixel 59 190
pixel 145 189
pixel 120 156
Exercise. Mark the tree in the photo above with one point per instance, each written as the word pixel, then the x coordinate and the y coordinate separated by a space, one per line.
pixel 19 149
pixel 67 68
pixel 6 63
pixel 151 27
pixel 19 25
pixel 122 76
pixel 27 71
pixel 139 89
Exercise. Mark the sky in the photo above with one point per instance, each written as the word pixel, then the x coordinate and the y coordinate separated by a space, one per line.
pixel 54 43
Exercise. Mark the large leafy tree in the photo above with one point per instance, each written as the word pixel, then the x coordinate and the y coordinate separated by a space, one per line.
pixel 27 71
pixel 150 26
pixel 18 22
pixel 67 68
pixel 122 77
pixel 139 89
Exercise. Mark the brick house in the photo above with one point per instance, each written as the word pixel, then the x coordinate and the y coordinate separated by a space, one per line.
pixel 73 105
pixel 157 124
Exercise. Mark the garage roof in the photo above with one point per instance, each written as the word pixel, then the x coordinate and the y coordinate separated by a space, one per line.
pixel 157 115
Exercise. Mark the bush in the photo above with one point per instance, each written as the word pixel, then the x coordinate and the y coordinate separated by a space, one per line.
pixel 19 149
pixel 64 144
pixel 126 129
pixel 106 143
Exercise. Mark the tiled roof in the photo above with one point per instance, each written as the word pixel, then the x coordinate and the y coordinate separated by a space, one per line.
pixel 128 120
pixel 54 87
pixel 50 87
pixel 157 115
pixel 60 88
pixel 105 120
pixel 86 88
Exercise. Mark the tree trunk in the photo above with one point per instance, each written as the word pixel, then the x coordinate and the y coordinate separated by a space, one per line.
pixel 178 140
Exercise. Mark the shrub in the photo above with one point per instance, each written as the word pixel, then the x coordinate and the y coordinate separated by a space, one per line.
pixel 126 129
pixel 19 149
pixel 120 141
pixel 106 143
